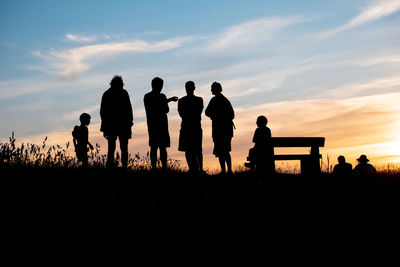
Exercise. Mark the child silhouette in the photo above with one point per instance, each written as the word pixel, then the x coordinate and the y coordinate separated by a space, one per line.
pixel 81 139
pixel 261 156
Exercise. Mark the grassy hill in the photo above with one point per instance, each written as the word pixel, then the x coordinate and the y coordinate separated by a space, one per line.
pixel 57 213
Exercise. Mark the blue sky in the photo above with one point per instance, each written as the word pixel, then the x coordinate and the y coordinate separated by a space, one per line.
pixel 314 68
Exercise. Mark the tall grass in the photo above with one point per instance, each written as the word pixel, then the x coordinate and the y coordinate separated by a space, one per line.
pixel 56 156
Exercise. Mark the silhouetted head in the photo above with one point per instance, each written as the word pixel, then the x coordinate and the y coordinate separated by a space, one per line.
pixel 341 159
pixel 157 84
pixel 216 88
pixel 117 82
pixel 189 86
pixel 84 118
pixel 363 159
pixel 262 121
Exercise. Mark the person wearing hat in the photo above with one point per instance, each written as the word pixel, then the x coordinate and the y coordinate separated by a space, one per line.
pixel 363 166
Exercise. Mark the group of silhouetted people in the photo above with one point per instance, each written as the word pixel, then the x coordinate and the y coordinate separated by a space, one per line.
pixel 344 168
pixel 117 121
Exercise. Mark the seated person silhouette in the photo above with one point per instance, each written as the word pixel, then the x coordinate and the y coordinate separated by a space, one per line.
pixel 363 167
pixel 81 139
pixel 261 156
pixel 342 168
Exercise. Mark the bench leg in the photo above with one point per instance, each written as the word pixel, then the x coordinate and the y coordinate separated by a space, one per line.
pixel 310 166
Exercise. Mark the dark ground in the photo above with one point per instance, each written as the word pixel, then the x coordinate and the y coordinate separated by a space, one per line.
pixel 116 218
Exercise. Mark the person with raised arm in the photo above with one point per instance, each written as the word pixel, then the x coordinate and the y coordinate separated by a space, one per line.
pixel 156 106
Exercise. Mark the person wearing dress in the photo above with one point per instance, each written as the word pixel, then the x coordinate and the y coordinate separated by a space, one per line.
pixel 190 108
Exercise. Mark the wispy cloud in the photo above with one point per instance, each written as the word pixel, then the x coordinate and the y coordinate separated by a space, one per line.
pixel 75 114
pixel 352 90
pixel 80 38
pixel 374 11
pixel 75 61
pixel 250 33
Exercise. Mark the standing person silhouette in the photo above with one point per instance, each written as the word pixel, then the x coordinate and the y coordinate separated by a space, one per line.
pixel 221 113
pixel 190 108
pixel 116 119
pixel 81 139
pixel 156 106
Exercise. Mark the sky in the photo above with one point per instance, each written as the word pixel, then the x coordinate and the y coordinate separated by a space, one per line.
pixel 313 68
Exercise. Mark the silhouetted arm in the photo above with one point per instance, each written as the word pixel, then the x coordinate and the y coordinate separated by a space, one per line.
pixel 210 110
pixel 255 136
pixel 231 111
pixel 201 105
pixel 180 111
pixel 102 108
pixel 75 142
pixel 174 98
pixel 129 109
pixel 164 103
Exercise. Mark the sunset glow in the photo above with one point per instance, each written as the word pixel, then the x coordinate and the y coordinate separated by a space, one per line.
pixel 324 69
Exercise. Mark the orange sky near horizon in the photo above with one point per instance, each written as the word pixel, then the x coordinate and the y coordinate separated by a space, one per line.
pixel 361 125
pixel 314 69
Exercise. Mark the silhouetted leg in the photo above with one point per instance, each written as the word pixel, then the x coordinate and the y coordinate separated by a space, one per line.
pixel 163 157
pixel 189 160
pixel 200 160
pixel 83 157
pixel 110 153
pixel 153 157
pixel 85 161
pixel 228 162
pixel 123 144
pixel 222 163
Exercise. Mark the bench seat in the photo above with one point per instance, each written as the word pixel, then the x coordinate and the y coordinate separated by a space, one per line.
pixel 293 157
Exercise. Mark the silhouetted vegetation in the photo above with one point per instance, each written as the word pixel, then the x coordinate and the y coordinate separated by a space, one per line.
pixel 58 209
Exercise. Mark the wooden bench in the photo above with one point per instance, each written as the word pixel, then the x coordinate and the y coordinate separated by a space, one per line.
pixel 309 163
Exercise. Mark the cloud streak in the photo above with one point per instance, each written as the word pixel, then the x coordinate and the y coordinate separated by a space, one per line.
pixel 80 38
pixel 373 12
pixel 75 61
pixel 250 33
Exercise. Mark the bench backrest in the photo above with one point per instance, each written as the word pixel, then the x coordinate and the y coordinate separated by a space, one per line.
pixel 298 141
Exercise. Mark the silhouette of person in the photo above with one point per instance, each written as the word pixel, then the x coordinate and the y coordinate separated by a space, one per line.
pixel 80 136
pixel 363 167
pixel 221 114
pixel 261 156
pixel 156 106
pixel 190 108
pixel 342 168
pixel 116 119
